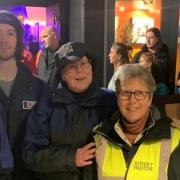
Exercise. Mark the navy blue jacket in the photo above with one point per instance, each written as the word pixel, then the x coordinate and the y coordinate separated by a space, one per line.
pixel 26 91
pixel 57 127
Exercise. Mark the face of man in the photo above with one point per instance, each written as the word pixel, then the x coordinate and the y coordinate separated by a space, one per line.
pixel 151 40
pixel 48 37
pixel 8 41
pixel 78 75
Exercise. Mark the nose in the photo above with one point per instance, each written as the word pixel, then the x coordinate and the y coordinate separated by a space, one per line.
pixel 2 39
pixel 79 68
pixel 147 39
pixel 132 98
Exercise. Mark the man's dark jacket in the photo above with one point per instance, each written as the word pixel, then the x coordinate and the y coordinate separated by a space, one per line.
pixel 47 68
pixel 6 157
pixel 26 91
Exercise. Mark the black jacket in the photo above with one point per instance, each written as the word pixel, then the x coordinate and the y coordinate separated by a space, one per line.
pixel 6 157
pixel 58 127
pixel 26 91
pixel 161 72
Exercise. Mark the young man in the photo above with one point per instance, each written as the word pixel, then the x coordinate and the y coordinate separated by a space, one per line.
pixel 19 89
pixel 46 64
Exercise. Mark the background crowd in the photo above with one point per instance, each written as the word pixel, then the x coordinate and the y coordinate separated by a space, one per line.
pixel 61 124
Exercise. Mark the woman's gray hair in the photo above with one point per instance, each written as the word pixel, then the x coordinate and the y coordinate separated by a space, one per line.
pixel 131 71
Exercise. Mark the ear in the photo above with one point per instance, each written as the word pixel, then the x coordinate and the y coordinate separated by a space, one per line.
pixel 63 75
pixel 119 56
pixel 150 100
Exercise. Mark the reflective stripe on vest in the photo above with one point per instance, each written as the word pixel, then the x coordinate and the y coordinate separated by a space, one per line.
pixel 150 161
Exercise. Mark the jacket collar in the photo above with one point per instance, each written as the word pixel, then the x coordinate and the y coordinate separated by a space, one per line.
pixel 93 97
pixel 156 128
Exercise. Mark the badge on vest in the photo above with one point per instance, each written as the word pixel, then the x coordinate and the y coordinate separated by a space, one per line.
pixel 28 104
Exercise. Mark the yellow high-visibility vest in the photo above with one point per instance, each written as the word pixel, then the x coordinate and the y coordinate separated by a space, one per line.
pixel 149 163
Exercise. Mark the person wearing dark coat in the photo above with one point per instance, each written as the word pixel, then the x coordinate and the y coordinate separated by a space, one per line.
pixel 46 65
pixel 19 89
pixel 155 45
pixel 58 143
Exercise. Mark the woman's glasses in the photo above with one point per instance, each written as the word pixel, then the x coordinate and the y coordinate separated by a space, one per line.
pixel 139 95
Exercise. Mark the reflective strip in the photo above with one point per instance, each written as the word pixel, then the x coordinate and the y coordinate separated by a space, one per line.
pixel 164 158
pixel 166 148
pixel 101 144
pixel 100 153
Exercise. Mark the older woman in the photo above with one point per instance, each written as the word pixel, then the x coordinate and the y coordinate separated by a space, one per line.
pixel 138 145
pixel 118 56
pixel 57 142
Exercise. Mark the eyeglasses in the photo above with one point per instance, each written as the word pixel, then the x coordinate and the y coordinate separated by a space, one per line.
pixel 74 66
pixel 139 95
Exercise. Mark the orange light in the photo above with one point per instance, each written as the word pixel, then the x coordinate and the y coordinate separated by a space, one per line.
pixel 121 8
pixel 151 10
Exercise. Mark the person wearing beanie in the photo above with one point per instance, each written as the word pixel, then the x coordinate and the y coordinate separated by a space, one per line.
pixel 19 89
pixel 58 143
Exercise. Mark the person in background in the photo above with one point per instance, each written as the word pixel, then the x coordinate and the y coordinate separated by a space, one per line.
pixel 58 142
pixel 29 60
pixel 137 142
pixel 19 89
pixel 156 46
pixel 148 61
pixel 118 56
pixel 46 65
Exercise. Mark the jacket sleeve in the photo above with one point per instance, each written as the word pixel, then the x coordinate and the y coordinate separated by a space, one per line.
pixel 6 157
pixel 174 164
pixel 163 66
pixel 42 66
pixel 39 154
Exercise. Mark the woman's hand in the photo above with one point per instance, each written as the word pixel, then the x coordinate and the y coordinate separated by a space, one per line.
pixel 85 155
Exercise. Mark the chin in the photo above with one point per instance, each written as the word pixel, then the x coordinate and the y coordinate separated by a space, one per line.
pixel 132 117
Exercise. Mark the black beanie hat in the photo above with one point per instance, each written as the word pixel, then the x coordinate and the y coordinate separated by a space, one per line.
pixel 6 17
